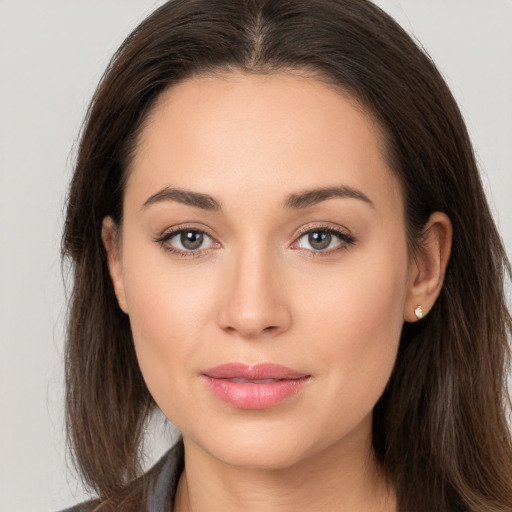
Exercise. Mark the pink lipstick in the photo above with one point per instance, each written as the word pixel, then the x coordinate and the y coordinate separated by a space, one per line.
pixel 257 386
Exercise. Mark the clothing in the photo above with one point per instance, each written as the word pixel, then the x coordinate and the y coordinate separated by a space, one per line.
pixel 160 484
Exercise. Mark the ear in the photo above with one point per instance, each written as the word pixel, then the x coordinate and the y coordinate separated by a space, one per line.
pixel 109 235
pixel 427 266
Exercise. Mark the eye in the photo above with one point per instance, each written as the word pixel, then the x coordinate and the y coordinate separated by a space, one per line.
pixel 187 242
pixel 323 240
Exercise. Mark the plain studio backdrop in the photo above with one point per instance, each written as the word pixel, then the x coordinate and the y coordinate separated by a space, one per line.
pixel 52 54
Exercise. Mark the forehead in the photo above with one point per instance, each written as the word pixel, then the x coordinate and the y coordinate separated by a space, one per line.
pixel 257 133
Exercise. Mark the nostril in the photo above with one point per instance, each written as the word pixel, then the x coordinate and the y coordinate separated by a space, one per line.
pixel 252 314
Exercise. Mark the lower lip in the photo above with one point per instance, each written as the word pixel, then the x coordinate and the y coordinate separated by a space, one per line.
pixel 255 395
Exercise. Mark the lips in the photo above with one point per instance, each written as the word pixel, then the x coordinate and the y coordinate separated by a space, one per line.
pixel 258 386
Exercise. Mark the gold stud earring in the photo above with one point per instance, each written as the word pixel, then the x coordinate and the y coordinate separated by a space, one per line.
pixel 418 312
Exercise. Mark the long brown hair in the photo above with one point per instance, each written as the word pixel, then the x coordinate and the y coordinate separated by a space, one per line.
pixel 440 428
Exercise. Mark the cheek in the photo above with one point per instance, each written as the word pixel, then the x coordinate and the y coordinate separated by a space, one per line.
pixel 364 295
pixel 168 309
pixel 358 324
pixel 163 308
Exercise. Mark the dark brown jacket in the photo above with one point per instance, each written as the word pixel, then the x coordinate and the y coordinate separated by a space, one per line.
pixel 152 492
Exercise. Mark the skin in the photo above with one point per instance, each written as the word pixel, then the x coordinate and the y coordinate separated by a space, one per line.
pixel 258 291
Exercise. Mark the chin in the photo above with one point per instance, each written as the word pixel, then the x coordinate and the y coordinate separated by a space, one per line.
pixel 260 445
pixel 253 455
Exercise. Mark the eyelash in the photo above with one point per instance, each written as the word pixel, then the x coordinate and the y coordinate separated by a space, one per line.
pixel 345 240
pixel 166 237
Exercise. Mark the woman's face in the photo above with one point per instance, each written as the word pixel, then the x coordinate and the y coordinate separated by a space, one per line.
pixel 262 226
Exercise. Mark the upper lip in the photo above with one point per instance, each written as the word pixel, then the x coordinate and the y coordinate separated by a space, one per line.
pixel 261 371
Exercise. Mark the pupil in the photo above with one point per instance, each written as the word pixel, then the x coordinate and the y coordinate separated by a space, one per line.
pixel 320 239
pixel 191 239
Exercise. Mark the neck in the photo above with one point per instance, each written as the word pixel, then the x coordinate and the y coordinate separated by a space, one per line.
pixel 325 482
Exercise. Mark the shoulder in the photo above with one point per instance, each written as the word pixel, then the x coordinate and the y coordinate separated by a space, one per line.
pixel 153 491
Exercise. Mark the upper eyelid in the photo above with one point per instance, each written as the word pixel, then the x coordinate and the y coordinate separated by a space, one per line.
pixel 172 231
pixel 322 226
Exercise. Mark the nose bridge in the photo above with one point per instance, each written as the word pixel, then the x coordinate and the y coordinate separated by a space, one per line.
pixel 254 301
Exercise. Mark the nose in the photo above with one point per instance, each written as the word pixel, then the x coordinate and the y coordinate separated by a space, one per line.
pixel 254 302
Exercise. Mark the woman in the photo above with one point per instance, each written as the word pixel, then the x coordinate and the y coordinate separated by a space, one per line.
pixel 280 239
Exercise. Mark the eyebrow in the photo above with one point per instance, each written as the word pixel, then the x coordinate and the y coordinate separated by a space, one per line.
pixel 203 201
pixel 298 200
pixel 309 198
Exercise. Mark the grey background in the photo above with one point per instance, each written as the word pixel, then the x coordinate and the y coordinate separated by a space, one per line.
pixel 52 54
